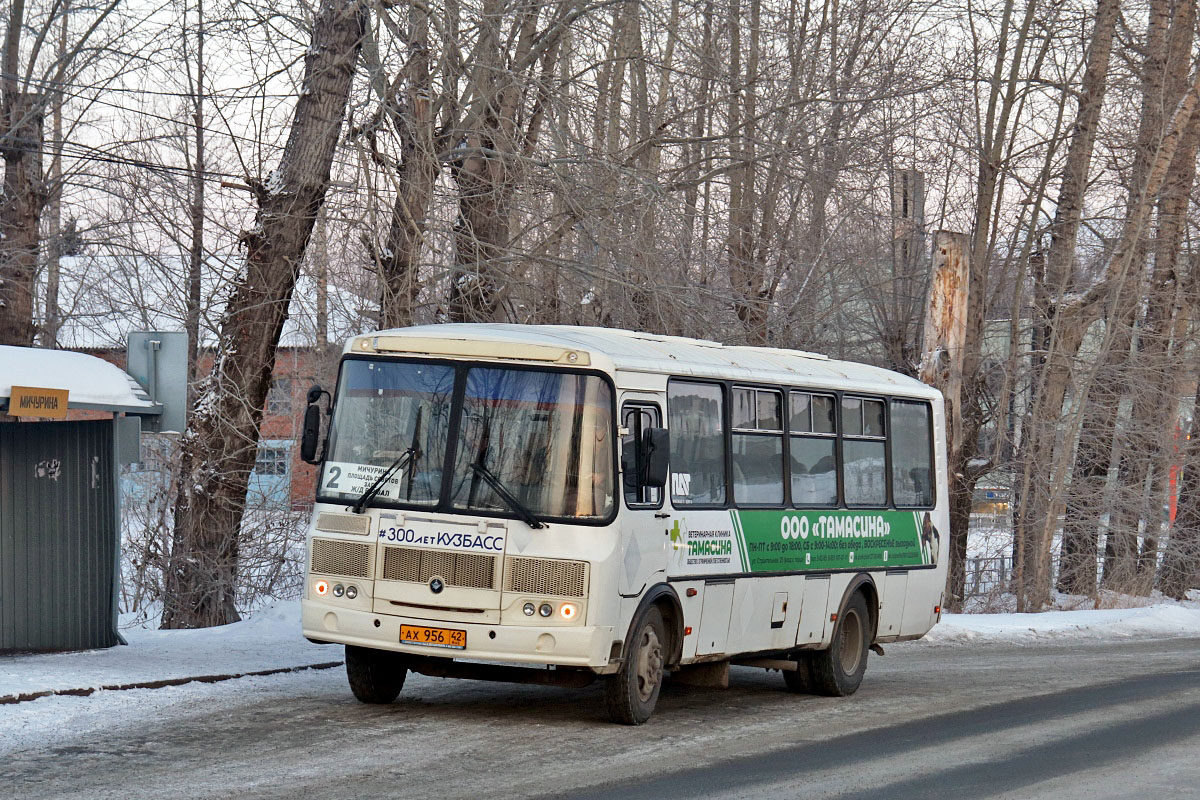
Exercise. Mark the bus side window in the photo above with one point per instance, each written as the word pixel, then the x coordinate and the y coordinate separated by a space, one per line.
pixel 696 419
pixel 864 476
pixel 757 446
pixel 637 418
pixel 812 447
pixel 912 448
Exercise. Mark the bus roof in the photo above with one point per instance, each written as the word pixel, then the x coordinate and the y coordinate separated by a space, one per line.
pixel 646 352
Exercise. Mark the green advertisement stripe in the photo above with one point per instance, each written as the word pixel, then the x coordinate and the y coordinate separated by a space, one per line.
pixel 741 537
pixel 774 541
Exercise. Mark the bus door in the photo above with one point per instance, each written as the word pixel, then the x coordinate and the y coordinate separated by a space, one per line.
pixel 647 523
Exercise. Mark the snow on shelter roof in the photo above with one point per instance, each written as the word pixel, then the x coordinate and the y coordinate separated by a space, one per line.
pixel 644 352
pixel 91 383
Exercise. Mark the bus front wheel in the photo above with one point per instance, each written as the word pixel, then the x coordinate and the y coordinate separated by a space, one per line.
pixel 838 671
pixel 376 676
pixel 632 693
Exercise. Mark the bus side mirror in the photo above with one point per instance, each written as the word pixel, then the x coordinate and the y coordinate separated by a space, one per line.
pixel 655 451
pixel 310 441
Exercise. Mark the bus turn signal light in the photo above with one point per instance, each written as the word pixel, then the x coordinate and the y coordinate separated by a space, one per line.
pixel 321 587
pixel 568 610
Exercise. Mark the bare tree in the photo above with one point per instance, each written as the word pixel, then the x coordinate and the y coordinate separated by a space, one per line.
pixel 29 82
pixel 222 439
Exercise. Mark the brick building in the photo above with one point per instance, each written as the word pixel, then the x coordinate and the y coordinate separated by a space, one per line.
pixel 279 476
pixel 280 479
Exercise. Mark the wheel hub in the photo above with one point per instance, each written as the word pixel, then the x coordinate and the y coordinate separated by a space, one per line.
pixel 851 646
pixel 649 664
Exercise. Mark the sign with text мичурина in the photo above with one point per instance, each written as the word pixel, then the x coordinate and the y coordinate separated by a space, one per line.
pixel 29 401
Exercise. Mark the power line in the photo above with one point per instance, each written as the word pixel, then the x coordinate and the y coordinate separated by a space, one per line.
pixel 231 94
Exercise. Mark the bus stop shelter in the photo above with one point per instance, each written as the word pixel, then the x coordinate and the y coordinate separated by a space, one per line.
pixel 72 420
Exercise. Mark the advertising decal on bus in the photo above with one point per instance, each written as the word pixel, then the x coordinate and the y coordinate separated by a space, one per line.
pixel 791 541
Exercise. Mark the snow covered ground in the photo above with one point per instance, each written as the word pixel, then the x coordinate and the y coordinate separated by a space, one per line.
pixel 270 639
pixel 1156 621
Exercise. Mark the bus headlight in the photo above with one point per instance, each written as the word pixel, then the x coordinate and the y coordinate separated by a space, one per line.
pixel 351 592
pixel 338 590
pixel 568 611
pixel 529 609
pixel 546 609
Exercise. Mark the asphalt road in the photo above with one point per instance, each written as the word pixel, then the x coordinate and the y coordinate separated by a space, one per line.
pixel 1114 720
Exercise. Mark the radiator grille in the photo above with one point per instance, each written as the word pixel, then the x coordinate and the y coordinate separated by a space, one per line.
pixel 334 557
pixel 344 523
pixel 545 576
pixel 469 570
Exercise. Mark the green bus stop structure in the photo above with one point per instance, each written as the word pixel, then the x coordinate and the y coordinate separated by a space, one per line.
pixel 60 495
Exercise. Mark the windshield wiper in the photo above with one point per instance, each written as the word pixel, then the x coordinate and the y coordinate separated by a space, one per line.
pixel 516 505
pixel 404 459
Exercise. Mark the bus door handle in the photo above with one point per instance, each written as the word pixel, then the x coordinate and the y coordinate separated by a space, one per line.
pixel 661 515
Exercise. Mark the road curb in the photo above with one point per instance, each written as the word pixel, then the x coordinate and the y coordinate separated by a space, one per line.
pixel 10 699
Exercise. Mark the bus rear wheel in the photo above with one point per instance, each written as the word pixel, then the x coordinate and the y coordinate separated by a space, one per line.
pixel 838 671
pixel 800 680
pixel 632 693
pixel 376 676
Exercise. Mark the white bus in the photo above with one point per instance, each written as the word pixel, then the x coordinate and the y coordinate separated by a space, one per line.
pixel 563 504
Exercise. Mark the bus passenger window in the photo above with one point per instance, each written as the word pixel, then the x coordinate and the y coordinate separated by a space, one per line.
pixel 864 478
pixel 912 467
pixel 757 447
pixel 823 414
pixel 695 417
pixel 814 462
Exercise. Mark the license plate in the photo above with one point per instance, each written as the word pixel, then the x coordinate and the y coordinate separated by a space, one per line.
pixel 434 637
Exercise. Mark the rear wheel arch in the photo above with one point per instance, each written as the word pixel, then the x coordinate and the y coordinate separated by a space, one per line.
pixel 864 583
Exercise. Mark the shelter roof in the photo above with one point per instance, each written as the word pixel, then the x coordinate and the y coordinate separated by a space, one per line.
pixel 91 383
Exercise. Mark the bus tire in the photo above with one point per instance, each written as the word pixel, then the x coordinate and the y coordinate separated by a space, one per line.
pixel 800 681
pixel 631 694
pixel 376 676
pixel 838 671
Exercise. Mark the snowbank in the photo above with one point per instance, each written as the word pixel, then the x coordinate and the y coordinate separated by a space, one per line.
pixel 269 639
pixel 1117 623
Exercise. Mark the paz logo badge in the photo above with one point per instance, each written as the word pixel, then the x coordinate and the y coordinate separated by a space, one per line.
pixel 436 585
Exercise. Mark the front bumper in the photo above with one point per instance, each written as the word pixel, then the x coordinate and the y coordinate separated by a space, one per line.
pixel 574 646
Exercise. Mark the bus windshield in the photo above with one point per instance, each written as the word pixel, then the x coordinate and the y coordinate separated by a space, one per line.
pixel 544 436
pixel 384 409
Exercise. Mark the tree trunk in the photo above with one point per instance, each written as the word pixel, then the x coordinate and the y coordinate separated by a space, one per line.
pixel 20 215
pixel 485 174
pixel 1077 570
pixel 480 235
pixel 942 367
pixel 54 192
pixel 416 175
pixel 1002 99
pixel 1165 79
pixel 196 247
pixel 221 442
